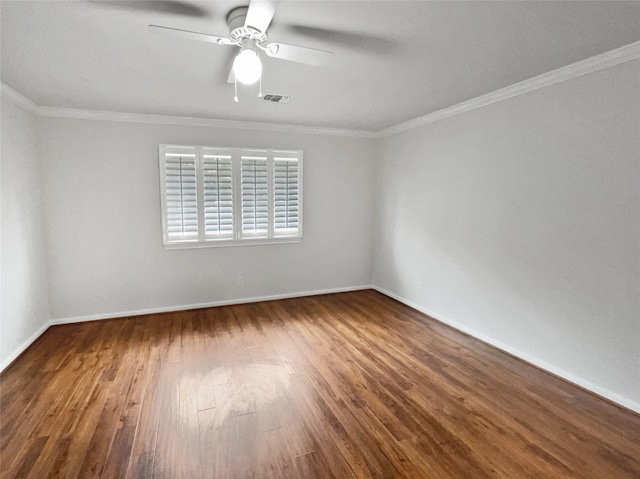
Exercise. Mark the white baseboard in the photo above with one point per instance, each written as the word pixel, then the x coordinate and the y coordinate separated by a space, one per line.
pixel 610 395
pixel 572 378
pixel 185 307
pixel 167 309
pixel 12 357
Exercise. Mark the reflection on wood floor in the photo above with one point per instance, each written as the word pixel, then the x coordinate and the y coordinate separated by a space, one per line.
pixel 343 385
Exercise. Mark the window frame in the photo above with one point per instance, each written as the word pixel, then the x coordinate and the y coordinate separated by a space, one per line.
pixel 237 238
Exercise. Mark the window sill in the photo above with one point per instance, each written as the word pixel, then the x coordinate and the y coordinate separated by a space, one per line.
pixel 230 243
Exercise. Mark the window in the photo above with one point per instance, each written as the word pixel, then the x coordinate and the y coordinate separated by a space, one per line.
pixel 229 196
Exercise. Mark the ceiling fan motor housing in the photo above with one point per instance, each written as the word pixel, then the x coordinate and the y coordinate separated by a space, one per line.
pixel 237 29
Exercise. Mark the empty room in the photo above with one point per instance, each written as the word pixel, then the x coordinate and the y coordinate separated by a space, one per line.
pixel 307 239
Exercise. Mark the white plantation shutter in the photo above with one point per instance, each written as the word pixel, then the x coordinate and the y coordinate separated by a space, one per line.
pixel 255 196
pixel 286 191
pixel 229 196
pixel 181 197
pixel 218 196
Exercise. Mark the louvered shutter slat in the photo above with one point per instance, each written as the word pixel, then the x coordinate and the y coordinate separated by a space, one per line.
pixel 218 197
pixel 255 190
pixel 286 182
pixel 181 197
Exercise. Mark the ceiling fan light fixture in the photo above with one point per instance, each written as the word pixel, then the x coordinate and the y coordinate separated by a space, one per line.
pixel 247 66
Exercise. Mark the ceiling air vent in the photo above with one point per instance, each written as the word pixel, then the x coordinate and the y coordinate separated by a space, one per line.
pixel 277 98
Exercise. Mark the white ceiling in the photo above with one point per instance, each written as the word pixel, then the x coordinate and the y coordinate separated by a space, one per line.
pixel 393 61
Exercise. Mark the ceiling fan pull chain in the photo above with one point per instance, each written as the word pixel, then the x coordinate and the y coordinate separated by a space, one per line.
pixel 235 84
pixel 260 91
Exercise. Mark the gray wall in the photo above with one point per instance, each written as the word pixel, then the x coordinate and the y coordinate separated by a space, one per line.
pixel 521 220
pixel 24 306
pixel 103 221
pixel 517 222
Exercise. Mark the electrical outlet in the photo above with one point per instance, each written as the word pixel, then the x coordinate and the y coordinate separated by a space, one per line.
pixel 240 280
pixel 420 286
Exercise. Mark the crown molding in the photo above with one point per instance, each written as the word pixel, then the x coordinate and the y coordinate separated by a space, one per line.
pixel 599 62
pixel 73 113
pixel 18 99
pixel 81 114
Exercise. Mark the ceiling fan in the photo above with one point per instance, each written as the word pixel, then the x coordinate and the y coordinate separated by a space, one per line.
pixel 248 30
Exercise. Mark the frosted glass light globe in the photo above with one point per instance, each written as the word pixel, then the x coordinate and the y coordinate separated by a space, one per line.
pixel 247 67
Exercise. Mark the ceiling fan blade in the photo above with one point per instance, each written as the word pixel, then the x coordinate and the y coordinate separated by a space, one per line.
pixel 172 7
pixel 293 53
pixel 227 65
pixel 203 37
pixel 347 39
pixel 260 14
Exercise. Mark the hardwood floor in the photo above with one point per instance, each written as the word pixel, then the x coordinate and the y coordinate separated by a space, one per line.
pixel 344 385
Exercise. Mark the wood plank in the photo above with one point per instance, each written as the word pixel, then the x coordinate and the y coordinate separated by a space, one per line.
pixel 343 385
pixel 117 462
pixel 166 460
